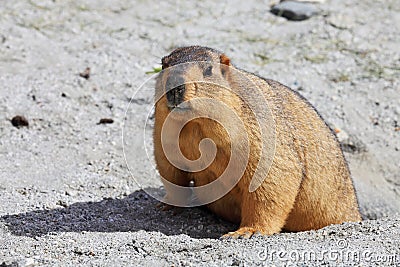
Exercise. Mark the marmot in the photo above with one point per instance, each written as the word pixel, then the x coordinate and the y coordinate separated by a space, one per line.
pixel 308 183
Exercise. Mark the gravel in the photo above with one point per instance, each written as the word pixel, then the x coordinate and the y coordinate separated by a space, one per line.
pixel 66 195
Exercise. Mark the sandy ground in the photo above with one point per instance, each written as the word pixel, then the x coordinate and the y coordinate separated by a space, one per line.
pixel 66 195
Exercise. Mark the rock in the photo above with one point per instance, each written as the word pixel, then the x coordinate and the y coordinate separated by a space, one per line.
pixel 85 74
pixel 70 193
pixel 19 121
pixel 341 135
pixel 341 21
pixel 62 203
pixel 349 143
pixel 294 10
pixel 106 121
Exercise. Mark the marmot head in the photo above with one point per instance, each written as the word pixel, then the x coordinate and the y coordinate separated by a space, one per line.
pixel 193 72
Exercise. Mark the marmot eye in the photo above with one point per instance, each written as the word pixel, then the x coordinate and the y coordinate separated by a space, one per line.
pixel 207 71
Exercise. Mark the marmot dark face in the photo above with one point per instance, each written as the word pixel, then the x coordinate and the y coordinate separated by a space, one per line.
pixel 190 72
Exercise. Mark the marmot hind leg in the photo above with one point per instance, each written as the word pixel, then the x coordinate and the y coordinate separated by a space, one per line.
pixel 265 210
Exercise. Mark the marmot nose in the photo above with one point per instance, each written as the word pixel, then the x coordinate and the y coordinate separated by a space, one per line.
pixel 175 95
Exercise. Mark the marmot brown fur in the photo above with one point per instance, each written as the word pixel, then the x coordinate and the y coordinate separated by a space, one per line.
pixel 308 185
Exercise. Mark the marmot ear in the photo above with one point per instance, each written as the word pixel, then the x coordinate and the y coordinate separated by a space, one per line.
pixel 225 64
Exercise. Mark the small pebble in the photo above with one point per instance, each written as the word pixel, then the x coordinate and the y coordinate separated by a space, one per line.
pixel 70 193
pixel 341 135
pixel 295 11
pixel 349 143
pixel 341 21
pixel 105 121
pixel 19 121
pixel 62 203
pixel 85 74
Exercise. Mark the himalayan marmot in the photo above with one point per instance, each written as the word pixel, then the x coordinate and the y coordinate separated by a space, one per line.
pixel 305 180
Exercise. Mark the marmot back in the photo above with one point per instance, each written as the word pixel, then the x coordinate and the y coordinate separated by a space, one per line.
pixel 308 184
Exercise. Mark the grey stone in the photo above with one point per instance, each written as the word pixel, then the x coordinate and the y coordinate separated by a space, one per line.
pixel 294 10
pixel 341 21
pixel 350 143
